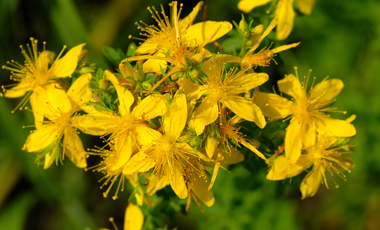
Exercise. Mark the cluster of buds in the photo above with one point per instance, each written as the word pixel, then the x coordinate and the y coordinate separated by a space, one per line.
pixel 172 114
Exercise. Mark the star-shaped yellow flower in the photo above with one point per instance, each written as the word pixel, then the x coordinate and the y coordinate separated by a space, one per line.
pixel 61 106
pixel 163 153
pixel 175 40
pixel 39 70
pixel 325 157
pixel 224 91
pixel 307 111
pixel 123 127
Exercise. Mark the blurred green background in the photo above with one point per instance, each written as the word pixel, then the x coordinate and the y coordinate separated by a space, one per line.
pixel 340 39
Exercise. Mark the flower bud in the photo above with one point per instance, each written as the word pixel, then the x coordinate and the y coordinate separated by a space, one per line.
pixel 195 141
pixel 255 34
pixel 193 73
pixel 103 84
pixel 243 28
pixel 146 85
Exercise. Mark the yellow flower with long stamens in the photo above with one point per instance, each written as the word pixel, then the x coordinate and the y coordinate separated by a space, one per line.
pixel 163 153
pixel 306 110
pixel 221 149
pixel 175 40
pixel 39 70
pixel 123 128
pixel 264 56
pixel 111 158
pixel 61 106
pixel 284 12
pixel 224 91
pixel 324 156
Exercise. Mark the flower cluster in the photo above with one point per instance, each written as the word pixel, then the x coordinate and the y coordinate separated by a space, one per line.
pixel 173 113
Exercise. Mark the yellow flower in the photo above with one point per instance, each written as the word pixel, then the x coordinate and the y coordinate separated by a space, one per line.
pixel 221 150
pixel 264 56
pixel 225 92
pixel 36 74
pixel 112 172
pixel 61 106
pixel 175 40
pixel 306 110
pixel 284 12
pixel 163 152
pixel 124 127
pixel 324 157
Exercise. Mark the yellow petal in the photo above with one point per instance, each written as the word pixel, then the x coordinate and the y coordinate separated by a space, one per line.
pixel 203 31
pixel 177 182
pixel 234 158
pixel 134 218
pixel 199 185
pixel 305 6
pixel 205 114
pixel 282 168
pixel 59 102
pixel 150 107
pixel 124 146
pixel 335 127
pixel 139 162
pixel 65 66
pixel 291 86
pixel 308 134
pixel 44 59
pixel 97 123
pixel 126 70
pixel 310 184
pixel 212 144
pixel 80 92
pixel 293 143
pixel 254 149
pixel 73 148
pixel 156 183
pixel 19 90
pixel 273 105
pixel 190 89
pixel 154 65
pixel 149 46
pixel 38 102
pixel 245 109
pixel 241 82
pixel 285 15
pixel 188 20
pixel 326 91
pixel 175 118
pixel 145 136
pixel 126 98
pixel 248 5
pixel 41 138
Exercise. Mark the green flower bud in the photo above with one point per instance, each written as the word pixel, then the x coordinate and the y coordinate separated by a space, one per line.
pixel 193 73
pixel 255 34
pixel 103 84
pixel 146 85
pixel 196 141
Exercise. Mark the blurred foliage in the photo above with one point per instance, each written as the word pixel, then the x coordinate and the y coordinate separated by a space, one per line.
pixel 340 39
